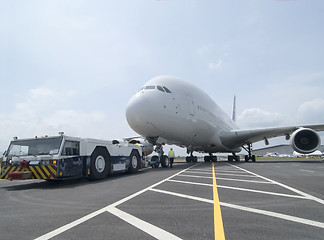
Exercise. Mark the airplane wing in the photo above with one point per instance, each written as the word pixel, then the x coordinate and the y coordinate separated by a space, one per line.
pixel 240 137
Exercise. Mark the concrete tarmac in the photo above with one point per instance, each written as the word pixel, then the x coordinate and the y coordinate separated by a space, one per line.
pixel 262 200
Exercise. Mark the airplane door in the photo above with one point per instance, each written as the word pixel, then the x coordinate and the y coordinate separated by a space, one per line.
pixel 191 105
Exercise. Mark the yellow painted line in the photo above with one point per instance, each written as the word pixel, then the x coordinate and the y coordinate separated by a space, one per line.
pixel 218 221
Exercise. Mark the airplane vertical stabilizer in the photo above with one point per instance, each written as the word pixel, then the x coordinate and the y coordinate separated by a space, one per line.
pixel 234 110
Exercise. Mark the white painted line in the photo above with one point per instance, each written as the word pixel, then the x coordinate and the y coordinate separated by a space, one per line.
pixel 306 171
pixel 240 189
pixel 201 169
pixel 236 175
pixel 253 210
pixel 263 192
pixel 192 183
pixel 148 188
pixel 96 213
pixel 276 215
pixel 193 176
pixel 200 172
pixel 227 171
pixel 150 229
pixel 226 179
pixel 308 196
pixel 183 196
pixel 70 225
pixel 226 174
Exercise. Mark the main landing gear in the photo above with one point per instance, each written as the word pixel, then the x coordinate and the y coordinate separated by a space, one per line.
pixel 249 150
pixel 233 157
pixel 191 158
pixel 210 158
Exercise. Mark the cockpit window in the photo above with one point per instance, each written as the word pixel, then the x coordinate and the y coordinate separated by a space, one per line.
pixel 160 88
pixel 150 87
pixel 166 89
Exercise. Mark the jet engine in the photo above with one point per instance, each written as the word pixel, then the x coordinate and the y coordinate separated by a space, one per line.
pixel 305 140
pixel 146 146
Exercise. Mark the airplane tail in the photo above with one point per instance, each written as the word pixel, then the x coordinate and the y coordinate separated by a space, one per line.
pixel 234 110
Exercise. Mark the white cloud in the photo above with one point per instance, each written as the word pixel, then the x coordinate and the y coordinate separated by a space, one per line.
pixel 256 117
pixel 44 111
pixel 205 49
pixel 218 66
pixel 312 111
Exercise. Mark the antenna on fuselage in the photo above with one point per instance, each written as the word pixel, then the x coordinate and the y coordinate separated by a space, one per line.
pixel 234 110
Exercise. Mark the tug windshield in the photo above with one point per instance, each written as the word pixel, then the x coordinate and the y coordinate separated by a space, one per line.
pixel 33 147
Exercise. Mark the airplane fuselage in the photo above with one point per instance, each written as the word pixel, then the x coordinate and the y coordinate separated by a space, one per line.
pixel 179 113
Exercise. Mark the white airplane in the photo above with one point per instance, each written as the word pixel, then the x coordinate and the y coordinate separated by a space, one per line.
pixel 173 111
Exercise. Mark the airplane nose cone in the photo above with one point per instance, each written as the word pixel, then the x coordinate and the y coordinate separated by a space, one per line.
pixel 135 112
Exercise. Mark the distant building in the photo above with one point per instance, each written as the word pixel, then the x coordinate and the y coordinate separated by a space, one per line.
pixel 280 149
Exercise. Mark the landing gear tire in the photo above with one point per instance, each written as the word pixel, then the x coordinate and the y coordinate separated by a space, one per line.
pixel 135 162
pixel 253 159
pixel 191 159
pixel 155 161
pixel 165 161
pixel 99 164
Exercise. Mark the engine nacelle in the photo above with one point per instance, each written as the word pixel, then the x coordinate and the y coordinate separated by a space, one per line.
pixel 146 146
pixel 305 140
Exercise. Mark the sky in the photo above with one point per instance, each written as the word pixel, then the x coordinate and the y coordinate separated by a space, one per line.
pixel 72 66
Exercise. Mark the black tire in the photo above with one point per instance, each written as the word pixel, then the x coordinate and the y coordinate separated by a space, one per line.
pixel 165 161
pixel 135 161
pixel 188 159
pixel 155 159
pixel 253 158
pixel 230 158
pixel 246 158
pixel 99 163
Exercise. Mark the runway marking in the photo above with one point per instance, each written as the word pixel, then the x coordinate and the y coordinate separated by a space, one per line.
pixel 226 171
pixel 306 171
pixel 236 175
pixel 308 196
pixel 105 209
pixel 226 174
pixel 218 220
pixel 150 229
pixel 241 189
pixel 200 170
pixel 226 179
pixel 192 183
pixel 248 209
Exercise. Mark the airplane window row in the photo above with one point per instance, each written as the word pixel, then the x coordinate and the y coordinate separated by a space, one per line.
pixel 160 88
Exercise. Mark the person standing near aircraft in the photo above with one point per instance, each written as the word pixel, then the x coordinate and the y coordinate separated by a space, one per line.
pixel 171 157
